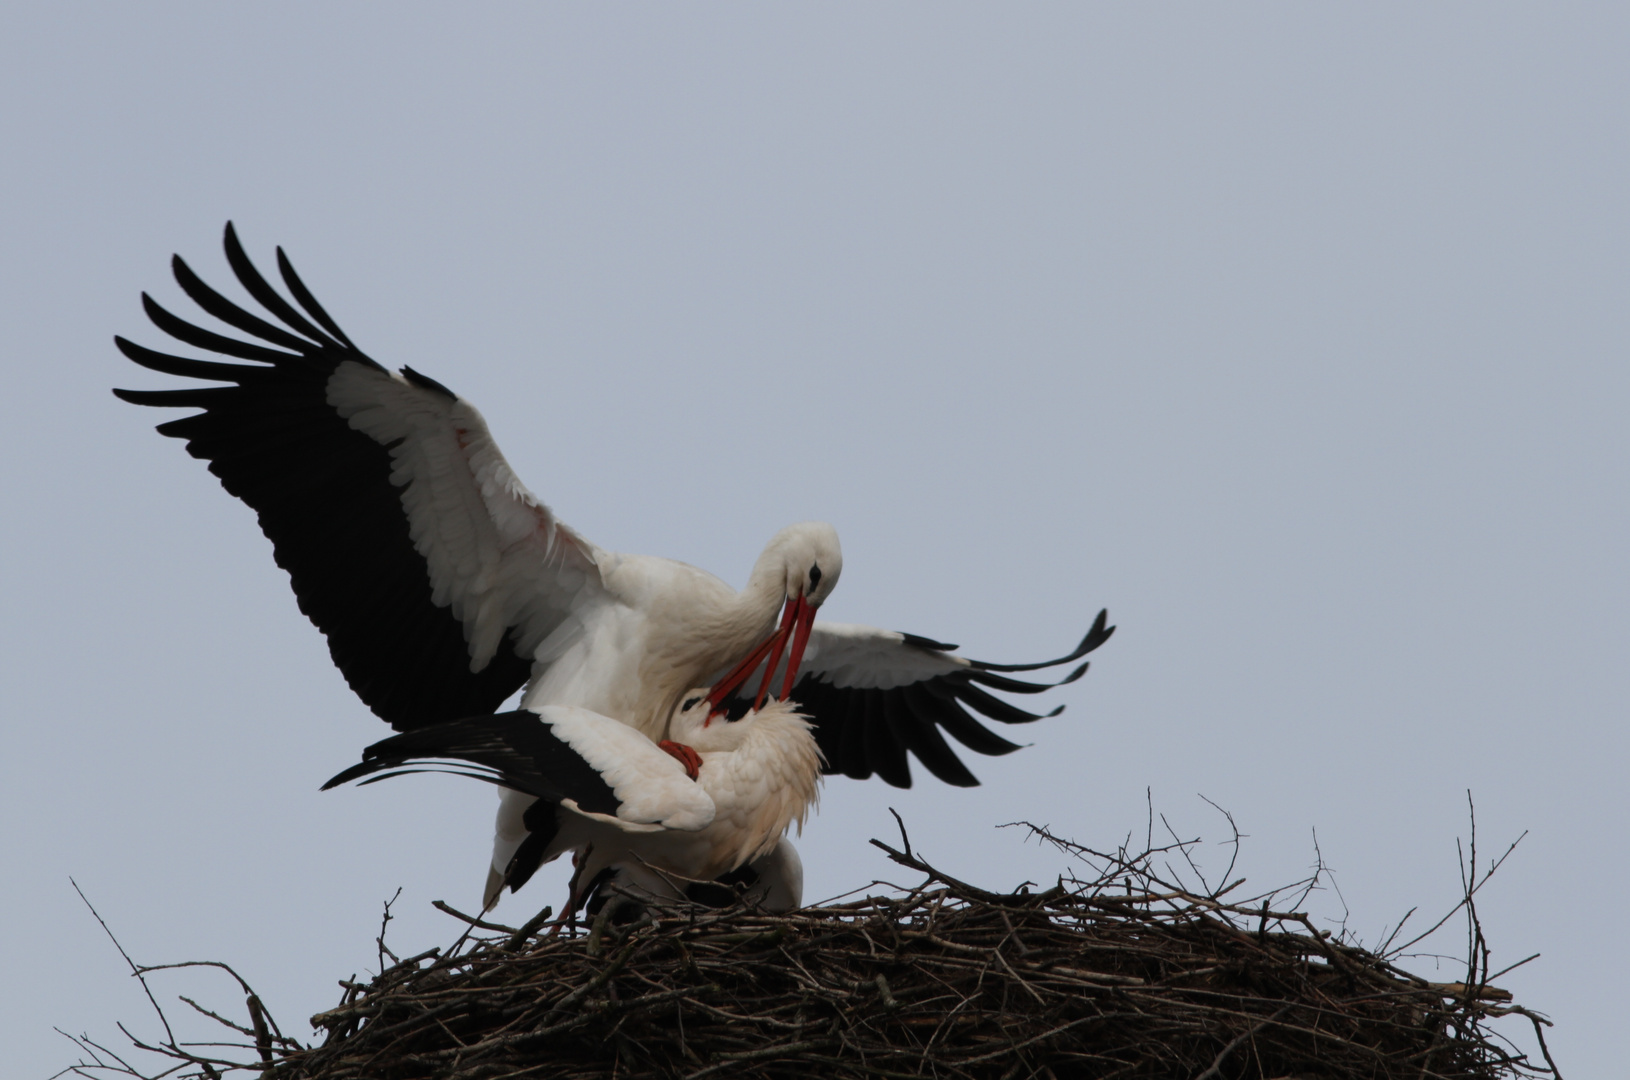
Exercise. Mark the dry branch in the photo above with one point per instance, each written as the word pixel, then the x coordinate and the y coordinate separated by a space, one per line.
pixel 1120 974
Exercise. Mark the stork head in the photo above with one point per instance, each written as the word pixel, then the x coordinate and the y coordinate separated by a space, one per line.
pixel 813 561
pixel 808 558
pixel 695 724
pixel 802 562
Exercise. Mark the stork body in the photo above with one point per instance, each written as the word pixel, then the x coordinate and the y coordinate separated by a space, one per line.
pixel 762 773
pixel 443 585
pixel 602 790
pixel 659 627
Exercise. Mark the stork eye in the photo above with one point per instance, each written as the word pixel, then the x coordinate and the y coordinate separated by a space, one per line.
pixel 814 575
pixel 690 703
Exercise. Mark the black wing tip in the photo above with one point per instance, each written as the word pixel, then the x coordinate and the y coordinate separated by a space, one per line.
pixel 425 382
pixel 355 772
pixel 184 274
pixel 1095 637
pixel 1074 675
pixel 917 641
pixel 304 297
pixel 235 251
pixel 131 350
pixel 138 354
pixel 388 768
pixel 375 757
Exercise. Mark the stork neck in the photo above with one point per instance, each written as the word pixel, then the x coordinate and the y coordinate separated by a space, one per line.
pixel 761 601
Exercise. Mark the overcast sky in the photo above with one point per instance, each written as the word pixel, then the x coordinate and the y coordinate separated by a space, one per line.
pixel 1295 335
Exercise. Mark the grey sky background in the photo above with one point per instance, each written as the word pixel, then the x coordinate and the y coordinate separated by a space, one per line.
pixel 1293 335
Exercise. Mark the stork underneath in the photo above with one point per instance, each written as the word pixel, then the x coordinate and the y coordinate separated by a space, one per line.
pixel 774 882
pixel 719 795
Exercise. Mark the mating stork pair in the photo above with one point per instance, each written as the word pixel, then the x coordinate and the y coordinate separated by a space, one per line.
pixel 657 737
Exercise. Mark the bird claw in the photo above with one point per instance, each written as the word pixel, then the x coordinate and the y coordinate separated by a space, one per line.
pixel 686 756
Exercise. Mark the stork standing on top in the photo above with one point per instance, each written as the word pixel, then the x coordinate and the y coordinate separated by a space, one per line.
pixel 444 585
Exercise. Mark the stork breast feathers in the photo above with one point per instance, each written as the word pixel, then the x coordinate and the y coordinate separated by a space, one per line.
pixel 769 783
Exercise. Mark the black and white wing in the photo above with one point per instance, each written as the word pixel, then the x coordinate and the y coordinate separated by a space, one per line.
pixel 558 754
pixel 875 696
pixel 433 571
pixel 561 755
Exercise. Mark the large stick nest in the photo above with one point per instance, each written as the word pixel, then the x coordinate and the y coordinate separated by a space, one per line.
pixel 1123 975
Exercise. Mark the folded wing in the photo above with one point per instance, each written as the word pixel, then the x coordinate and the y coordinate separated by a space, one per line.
pixel 571 761
pixel 559 754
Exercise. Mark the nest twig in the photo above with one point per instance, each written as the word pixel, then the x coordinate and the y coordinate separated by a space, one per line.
pixel 1122 973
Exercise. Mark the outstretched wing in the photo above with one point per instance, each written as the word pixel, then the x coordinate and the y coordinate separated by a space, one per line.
pixel 874 696
pixel 435 574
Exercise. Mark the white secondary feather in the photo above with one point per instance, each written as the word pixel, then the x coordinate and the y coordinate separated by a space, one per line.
pixel 651 787
pixel 759 776
pixel 762 773
pixel 496 555
pixel 867 658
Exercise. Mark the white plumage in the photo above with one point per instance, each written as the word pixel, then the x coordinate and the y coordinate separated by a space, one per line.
pixel 444 585
pixel 600 789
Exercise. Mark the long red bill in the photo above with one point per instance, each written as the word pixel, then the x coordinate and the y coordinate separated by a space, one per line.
pixel 800 638
pixel 749 663
pixel 788 616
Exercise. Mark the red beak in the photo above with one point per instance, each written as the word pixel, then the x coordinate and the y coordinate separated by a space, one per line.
pixel 749 663
pixel 796 620
pixel 789 615
pixel 800 638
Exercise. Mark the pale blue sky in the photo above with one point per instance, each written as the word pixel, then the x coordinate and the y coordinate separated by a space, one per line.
pixel 1293 334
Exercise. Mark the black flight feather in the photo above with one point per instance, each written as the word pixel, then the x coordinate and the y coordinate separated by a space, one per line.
pixel 866 731
pixel 515 749
pixel 323 494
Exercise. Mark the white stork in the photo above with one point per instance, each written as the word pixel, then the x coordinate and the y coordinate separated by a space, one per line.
pixel 444 586
pixel 721 795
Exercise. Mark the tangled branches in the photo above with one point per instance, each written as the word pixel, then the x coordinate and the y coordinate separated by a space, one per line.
pixel 1121 972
